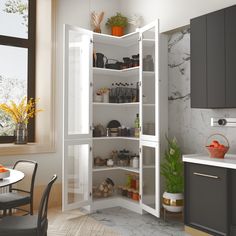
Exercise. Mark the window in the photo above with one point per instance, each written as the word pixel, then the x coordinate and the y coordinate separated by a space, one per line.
pixel 17 59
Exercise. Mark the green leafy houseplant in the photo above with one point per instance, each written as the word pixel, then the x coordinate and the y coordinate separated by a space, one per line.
pixel 172 168
pixel 117 20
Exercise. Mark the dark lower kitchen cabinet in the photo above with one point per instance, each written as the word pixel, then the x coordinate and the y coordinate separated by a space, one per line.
pixel 210 199
pixel 206 198
pixel 213 59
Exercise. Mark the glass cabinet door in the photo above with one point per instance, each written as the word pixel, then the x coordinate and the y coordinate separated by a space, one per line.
pixel 150 177
pixel 149 82
pixel 77 82
pixel 77 166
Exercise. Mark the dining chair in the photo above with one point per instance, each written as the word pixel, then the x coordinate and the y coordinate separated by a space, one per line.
pixel 22 193
pixel 29 225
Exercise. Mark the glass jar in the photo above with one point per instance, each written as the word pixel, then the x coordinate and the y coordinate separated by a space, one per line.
pixel 21 133
pixel 135 196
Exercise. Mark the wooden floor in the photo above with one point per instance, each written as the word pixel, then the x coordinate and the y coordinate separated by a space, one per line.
pixel 75 223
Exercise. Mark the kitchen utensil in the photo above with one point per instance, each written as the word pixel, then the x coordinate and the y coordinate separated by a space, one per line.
pixel 116 65
pixel 100 60
pixel 113 124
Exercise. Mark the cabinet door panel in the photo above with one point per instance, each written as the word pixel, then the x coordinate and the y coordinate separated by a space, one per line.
pixel 149 79
pixel 77 82
pixel 216 59
pixel 150 177
pixel 77 166
pixel 230 47
pixel 206 198
pixel 198 63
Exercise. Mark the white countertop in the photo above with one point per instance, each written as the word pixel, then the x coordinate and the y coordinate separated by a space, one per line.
pixel 228 162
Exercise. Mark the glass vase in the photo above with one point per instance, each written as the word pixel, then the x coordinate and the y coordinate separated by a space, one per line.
pixel 21 133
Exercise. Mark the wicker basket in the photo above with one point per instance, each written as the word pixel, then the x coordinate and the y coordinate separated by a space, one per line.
pixel 217 152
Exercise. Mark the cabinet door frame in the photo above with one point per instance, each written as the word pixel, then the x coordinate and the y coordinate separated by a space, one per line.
pixel 68 28
pixel 65 188
pixel 154 24
pixel 156 145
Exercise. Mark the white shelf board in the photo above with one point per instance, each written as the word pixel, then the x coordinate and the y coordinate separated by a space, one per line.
pixel 123 41
pixel 133 71
pixel 104 168
pixel 116 138
pixel 131 104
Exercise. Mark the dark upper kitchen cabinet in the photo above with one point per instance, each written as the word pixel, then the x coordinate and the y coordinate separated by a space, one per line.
pixel 230 55
pixel 213 60
pixel 198 62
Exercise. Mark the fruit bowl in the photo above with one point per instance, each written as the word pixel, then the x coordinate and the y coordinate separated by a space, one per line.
pixel 217 149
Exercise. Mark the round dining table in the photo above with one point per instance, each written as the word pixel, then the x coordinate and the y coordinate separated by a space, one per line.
pixel 15 176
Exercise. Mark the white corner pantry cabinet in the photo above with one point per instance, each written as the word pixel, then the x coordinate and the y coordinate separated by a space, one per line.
pixel 101 103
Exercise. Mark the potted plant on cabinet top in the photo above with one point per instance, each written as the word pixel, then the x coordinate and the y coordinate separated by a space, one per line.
pixel 117 24
pixel 172 170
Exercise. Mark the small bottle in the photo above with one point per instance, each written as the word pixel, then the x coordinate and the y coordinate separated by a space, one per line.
pixel 136 126
pixel 135 162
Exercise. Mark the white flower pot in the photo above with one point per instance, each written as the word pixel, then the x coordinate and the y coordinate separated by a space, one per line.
pixel 173 202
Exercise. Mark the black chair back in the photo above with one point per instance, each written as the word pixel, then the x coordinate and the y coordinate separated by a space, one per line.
pixel 43 207
pixel 29 168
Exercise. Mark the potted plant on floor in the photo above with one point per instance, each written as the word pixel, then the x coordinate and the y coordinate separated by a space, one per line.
pixel 117 24
pixel 172 170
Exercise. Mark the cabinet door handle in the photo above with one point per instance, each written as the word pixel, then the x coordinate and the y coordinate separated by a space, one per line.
pixel 205 175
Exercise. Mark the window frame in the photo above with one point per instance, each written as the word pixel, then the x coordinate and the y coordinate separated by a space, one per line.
pixel 29 44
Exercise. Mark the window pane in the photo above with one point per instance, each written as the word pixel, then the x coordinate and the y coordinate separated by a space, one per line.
pixel 13 81
pixel 14 18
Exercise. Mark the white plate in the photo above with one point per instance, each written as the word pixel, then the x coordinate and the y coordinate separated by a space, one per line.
pixel 4 174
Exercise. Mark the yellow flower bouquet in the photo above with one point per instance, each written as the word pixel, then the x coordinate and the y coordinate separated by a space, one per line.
pixel 20 114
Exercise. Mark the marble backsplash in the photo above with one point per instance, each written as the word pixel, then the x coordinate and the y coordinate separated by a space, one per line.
pixel 190 126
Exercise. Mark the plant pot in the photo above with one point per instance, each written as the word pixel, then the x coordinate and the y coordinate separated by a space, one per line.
pixel 117 31
pixel 173 202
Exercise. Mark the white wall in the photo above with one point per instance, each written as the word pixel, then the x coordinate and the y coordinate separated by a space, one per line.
pixel 172 13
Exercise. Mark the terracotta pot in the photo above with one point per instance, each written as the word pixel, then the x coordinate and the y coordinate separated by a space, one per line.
pixel 117 31
pixel 173 202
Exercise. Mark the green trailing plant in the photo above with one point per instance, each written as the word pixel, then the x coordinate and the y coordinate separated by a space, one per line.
pixel 172 168
pixel 117 20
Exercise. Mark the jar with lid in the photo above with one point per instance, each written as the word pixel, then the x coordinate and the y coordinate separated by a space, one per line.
pixel 135 195
pixel 130 193
pixel 124 191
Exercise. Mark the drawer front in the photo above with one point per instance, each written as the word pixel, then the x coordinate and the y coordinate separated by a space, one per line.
pixel 206 198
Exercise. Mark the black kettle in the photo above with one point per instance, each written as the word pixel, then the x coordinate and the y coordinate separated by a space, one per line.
pixel 100 60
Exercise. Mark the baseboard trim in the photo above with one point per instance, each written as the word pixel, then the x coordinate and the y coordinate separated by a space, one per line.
pixel 195 232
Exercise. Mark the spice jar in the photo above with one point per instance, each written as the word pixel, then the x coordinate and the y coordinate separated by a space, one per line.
pixel 130 193
pixel 135 195
pixel 124 192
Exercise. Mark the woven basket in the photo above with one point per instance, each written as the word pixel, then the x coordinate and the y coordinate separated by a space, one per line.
pixel 217 152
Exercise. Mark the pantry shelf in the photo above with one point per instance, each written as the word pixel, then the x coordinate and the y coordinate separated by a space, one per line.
pixel 104 168
pixel 130 104
pixel 116 138
pixel 133 71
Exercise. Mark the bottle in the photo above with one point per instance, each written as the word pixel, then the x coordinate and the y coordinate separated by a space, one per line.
pixel 135 162
pixel 136 126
